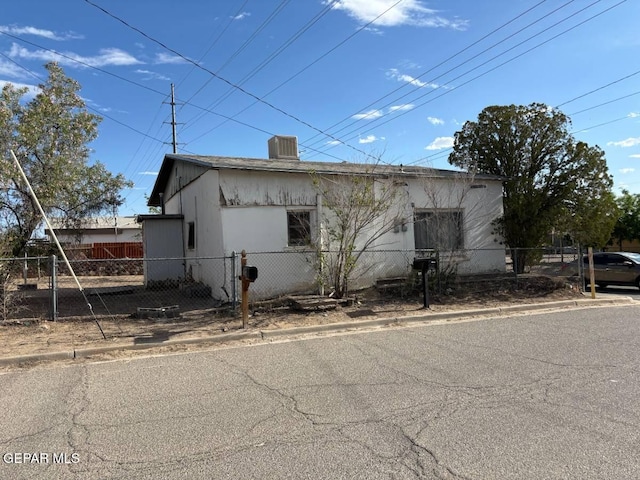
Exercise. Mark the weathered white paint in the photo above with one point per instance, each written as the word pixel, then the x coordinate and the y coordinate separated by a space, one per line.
pixel 245 188
pixel 244 209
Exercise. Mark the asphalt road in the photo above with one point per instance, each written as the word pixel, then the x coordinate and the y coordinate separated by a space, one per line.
pixel 534 396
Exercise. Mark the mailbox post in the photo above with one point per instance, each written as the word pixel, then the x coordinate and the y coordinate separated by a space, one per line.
pixel 248 275
pixel 424 265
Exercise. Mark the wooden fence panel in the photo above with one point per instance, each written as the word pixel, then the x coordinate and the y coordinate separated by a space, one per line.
pixel 109 250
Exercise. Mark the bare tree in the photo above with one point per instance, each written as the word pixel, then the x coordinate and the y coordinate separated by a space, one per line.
pixel 357 210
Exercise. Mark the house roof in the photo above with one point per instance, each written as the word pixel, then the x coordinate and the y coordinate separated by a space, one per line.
pixel 96 223
pixel 297 166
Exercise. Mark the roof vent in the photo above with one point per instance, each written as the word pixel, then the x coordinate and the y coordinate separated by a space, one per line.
pixel 283 148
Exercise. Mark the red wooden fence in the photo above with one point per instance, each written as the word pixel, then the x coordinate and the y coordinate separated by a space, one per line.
pixel 105 250
pixel 117 250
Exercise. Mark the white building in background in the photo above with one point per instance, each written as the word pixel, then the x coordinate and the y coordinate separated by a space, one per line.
pixel 98 230
pixel 213 206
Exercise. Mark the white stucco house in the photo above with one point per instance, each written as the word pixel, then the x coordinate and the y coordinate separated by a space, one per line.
pixel 213 206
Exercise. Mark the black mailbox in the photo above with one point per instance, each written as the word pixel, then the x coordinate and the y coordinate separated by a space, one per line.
pixel 250 273
pixel 425 263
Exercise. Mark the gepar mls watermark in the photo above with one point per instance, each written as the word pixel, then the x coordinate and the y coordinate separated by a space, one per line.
pixel 35 458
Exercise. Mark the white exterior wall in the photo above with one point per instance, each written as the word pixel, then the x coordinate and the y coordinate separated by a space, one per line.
pixel 480 206
pixel 206 262
pixel 243 209
pixel 256 221
pixel 262 233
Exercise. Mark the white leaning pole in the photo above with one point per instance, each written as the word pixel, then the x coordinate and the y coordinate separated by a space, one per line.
pixel 55 239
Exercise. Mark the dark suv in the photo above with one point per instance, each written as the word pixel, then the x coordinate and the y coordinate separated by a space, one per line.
pixel 611 268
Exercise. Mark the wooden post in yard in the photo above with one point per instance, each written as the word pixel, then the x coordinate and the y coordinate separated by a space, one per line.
pixel 245 290
pixel 592 277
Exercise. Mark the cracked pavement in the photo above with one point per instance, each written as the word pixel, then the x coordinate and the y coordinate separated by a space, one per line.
pixel 552 395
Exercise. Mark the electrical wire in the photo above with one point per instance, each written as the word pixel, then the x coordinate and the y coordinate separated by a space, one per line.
pixel 443 62
pixel 493 68
pixel 309 65
pixel 379 121
pixel 290 41
pixel 228 82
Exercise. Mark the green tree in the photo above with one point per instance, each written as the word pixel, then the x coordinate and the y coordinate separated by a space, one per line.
pixel 627 226
pixel 50 135
pixel 548 175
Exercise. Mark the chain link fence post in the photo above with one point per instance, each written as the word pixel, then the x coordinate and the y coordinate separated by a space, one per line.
pixel 234 280
pixel 54 287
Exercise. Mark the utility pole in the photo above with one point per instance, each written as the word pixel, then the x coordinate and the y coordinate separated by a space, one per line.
pixel 173 119
pixel 173 122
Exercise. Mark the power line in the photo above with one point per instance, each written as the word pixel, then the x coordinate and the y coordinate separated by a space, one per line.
pixel 605 103
pixel 371 104
pixel 398 115
pixel 231 84
pixel 214 43
pixel 331 50
pixel 290 41
pixel 598 89
pixel 240 49
pixel 499 65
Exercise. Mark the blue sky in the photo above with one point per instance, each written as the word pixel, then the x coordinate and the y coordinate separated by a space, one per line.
pixel 348 78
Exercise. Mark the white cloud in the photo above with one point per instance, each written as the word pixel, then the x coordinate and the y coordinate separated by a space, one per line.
pixel 38 32
pixel 334 142
pixel 635 155
pixel 107 56
pixel 370 115
pixel 147 173
pixel 435 121
pixel 634 115
pixel 8 69
pixel 627 170
pixel 241 16
pixel 32 90
pixel 392 13
pixel 440 143
pixel 149 75
pixel 162 58
pixel 370 139
pixel 403 77
pixel 629 142
pixel 401 108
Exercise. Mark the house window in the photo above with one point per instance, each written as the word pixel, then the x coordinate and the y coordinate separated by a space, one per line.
pixel 438 229
pixel 298 228
pixel 191 236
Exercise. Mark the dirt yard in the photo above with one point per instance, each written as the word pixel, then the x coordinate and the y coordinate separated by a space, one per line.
pixel 31 336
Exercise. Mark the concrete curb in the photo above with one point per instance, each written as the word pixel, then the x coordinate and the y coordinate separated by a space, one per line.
pixel 36 357
pixel 221 338
pixel 430 316
pixel 329 327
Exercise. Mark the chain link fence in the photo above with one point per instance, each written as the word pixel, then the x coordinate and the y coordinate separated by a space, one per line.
pixel 43 288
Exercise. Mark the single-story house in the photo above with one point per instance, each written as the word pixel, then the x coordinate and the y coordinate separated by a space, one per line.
pixel 214 206
pixel 100 237
pixel 97 230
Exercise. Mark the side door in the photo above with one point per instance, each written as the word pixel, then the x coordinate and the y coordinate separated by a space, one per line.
pixel 619 269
